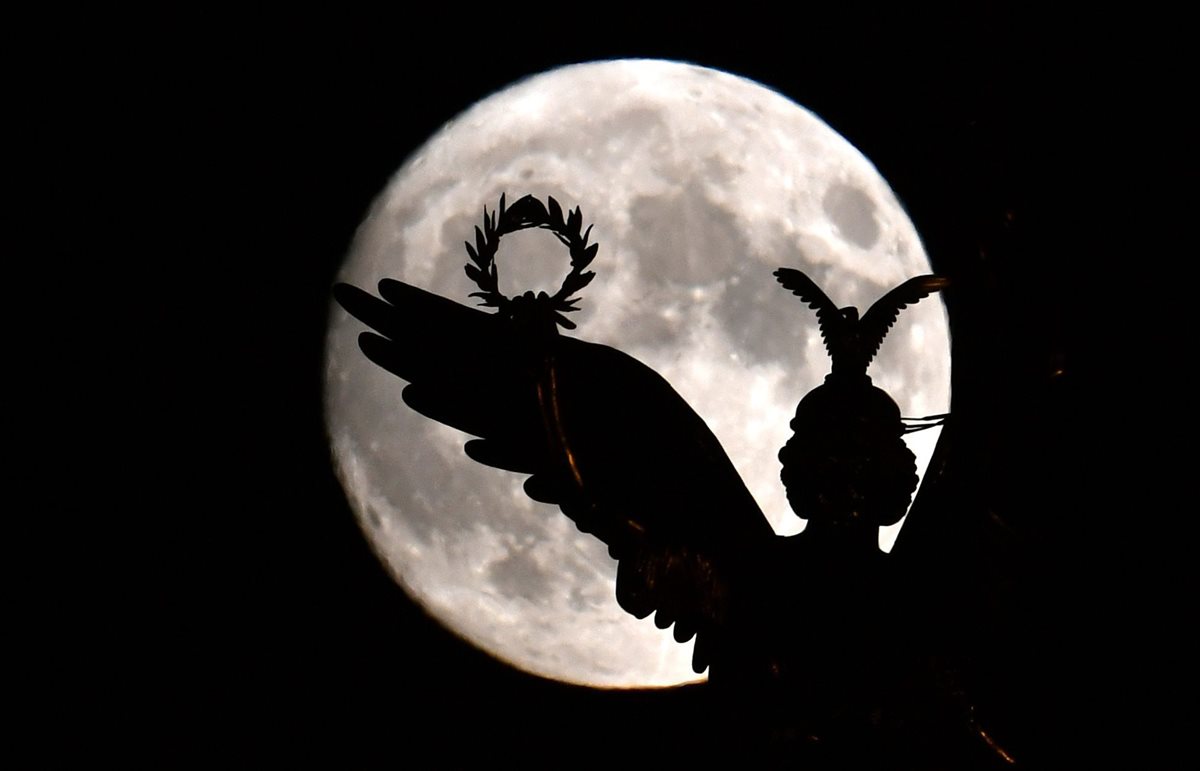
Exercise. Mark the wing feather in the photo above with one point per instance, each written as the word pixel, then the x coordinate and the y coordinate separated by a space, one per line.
pixel 874 326
pixel 829 318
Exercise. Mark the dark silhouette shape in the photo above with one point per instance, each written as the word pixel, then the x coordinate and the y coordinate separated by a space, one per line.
pixel 853 342
pixel 807 634
pixel 847 467
pixel 528 212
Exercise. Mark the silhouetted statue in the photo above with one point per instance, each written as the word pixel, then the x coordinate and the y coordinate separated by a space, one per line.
pixel 808 632
pixel 847 468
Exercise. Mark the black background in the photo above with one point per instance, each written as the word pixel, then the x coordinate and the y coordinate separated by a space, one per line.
pixel 245 151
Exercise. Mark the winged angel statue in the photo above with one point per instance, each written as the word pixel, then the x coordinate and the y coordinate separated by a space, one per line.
pixel 808 631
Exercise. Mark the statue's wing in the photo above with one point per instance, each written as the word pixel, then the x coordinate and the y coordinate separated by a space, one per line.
pixel 603 436
pixel 874 326
pixel 829 318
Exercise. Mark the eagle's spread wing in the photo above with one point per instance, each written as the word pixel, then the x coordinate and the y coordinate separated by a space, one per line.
pixel 603 436
pixel 829 318
pixel 874 326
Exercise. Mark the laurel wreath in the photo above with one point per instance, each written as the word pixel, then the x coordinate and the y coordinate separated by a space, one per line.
pixel 529 212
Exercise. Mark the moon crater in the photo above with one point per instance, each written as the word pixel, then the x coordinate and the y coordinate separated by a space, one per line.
pixel 702 239
pixel 853 214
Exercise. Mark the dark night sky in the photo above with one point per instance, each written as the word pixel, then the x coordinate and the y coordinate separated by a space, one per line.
pixel 250 149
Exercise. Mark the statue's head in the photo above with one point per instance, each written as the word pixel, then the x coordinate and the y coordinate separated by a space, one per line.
pixel 846 463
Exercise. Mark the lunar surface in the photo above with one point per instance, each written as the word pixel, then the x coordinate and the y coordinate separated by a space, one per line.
pixel 699 184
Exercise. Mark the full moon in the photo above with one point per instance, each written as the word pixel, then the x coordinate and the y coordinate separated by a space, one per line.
pixel 699 184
